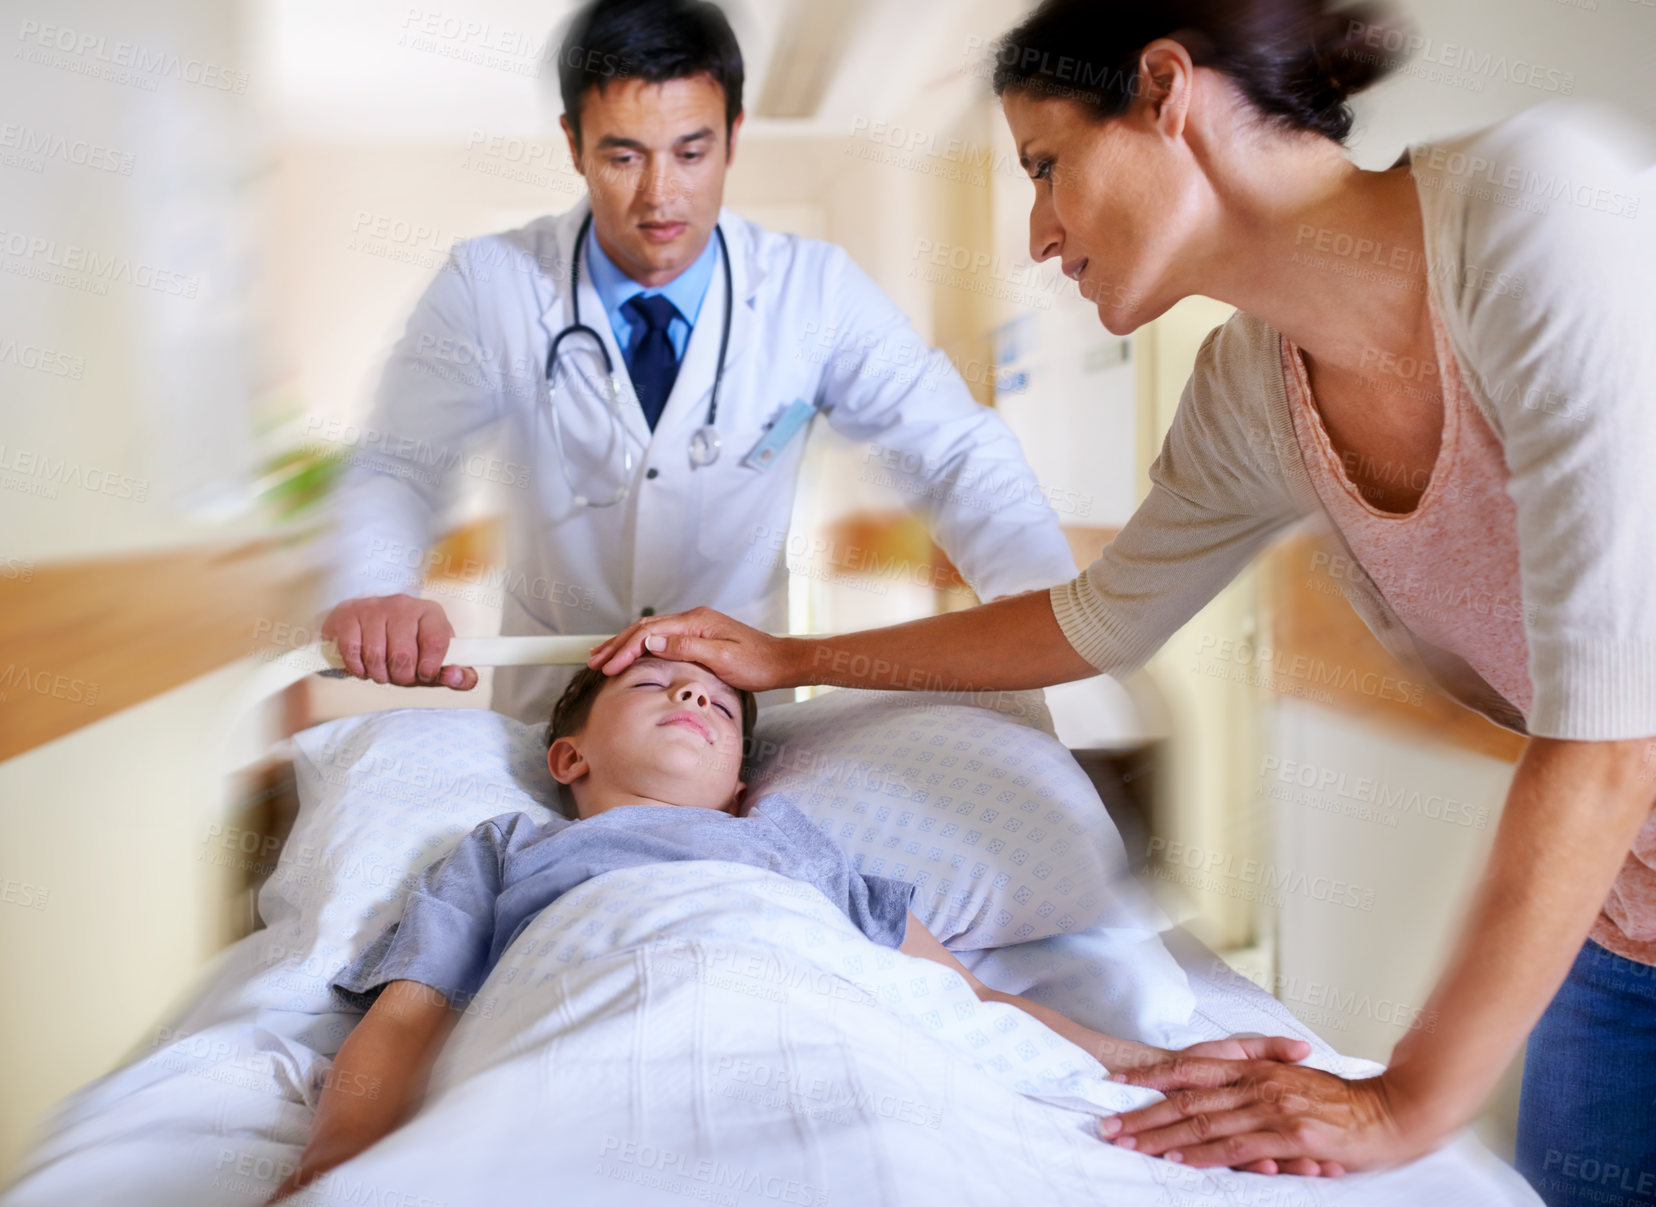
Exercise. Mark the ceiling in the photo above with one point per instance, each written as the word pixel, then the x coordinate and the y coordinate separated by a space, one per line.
pixel 389 70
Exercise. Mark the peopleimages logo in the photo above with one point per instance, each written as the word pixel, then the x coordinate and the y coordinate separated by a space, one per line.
pixel 43 145
pixel 92 268
pixel 1261 874
pixel 50 361
pixel 1518 185
pixel 95 54
pixel 1418 49
pixel 38 473
pixel 1371 790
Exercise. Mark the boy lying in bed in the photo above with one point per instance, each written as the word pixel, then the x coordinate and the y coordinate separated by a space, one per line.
pixel 652 757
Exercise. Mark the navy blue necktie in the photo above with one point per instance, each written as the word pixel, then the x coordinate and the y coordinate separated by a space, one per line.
pixel 650 357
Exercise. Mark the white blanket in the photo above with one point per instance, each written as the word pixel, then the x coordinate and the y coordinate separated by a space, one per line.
pixel 701 1031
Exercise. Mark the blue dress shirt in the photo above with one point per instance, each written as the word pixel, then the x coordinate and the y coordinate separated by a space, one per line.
pixel 685 291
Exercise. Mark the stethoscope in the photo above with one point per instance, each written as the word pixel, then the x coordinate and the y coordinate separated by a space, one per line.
pixel 704 441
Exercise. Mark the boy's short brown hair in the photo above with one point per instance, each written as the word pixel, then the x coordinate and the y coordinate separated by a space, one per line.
pixel 569 714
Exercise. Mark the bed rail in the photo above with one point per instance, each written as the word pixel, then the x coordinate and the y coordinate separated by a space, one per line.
pixel 322 658
pixel 270 676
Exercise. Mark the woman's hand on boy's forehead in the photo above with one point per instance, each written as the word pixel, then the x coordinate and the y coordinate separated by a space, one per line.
pixel 741 656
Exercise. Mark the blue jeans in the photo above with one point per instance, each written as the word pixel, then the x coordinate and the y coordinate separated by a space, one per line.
pixel 1587 1115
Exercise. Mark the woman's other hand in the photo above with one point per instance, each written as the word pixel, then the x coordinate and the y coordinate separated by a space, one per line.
pixel 1266 1116
pixel 1251 1048
pixel 742 656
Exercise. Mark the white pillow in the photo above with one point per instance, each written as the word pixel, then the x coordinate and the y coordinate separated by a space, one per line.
pixel 986 811
pixel 382 796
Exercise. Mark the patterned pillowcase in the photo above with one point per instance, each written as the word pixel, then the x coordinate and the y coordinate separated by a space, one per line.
pixel 985 810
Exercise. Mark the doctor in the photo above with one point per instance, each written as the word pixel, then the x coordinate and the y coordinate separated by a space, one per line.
pixel 724 341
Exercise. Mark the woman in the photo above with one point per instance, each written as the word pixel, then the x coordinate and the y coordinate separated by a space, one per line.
pixel 1453 359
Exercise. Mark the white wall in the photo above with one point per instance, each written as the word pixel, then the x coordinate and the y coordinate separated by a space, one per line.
pixel 1476 58
pixel 139 435
pixel 1405 822
pixel 112 826
pixel 128 267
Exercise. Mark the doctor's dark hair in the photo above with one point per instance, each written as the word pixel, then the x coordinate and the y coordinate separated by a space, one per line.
pixel 570 713
pixel 1297 61
pixel 650 40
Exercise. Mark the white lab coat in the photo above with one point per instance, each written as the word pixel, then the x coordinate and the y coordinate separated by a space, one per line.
pixel 807 323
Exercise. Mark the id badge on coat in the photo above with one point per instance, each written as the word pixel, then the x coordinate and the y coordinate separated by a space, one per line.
pixel 783 428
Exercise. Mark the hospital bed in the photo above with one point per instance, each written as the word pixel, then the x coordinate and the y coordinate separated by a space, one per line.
pixel 705 1031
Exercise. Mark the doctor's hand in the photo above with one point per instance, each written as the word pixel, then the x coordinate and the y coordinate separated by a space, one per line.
pixel 742 656
pixel 396 639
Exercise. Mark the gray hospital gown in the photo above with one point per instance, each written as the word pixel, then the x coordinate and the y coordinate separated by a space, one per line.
pixel 466 908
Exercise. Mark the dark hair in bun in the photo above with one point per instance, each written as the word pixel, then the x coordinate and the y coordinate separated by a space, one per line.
pixel 1298 61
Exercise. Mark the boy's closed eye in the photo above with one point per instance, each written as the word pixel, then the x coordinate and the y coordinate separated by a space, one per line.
pixel 718 704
